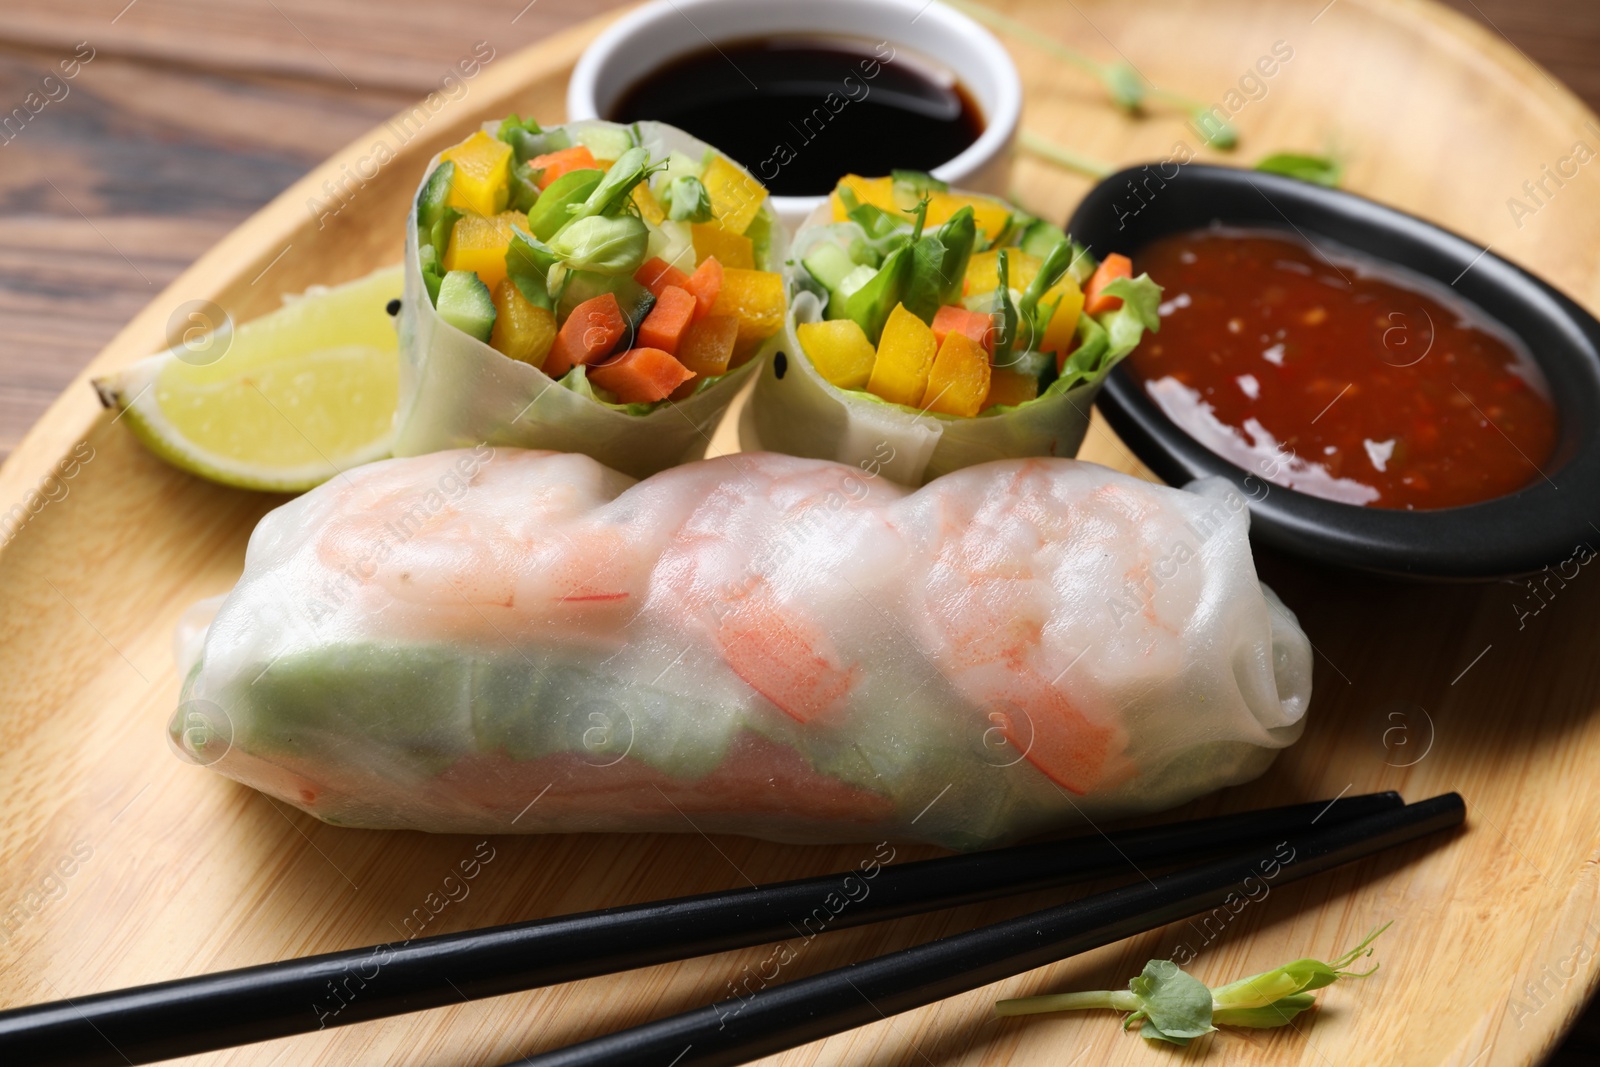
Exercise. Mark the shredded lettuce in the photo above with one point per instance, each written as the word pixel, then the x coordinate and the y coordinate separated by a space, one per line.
pixel 1104 339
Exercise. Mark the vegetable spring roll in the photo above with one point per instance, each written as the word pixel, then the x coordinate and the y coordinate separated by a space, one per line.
pixel 929 330
pixel 506 641
pixel 592 288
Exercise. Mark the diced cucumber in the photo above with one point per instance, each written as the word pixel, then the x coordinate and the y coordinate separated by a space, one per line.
pixel 1040 238
pixel 852 282
pixel 430 201
pixel 829 264
pixel 1031 363
pixel 464 303
pixel 679 166
pixel 606 142
pixel 863 252
pixel 673 242
pixel 760 233
pixel 443 228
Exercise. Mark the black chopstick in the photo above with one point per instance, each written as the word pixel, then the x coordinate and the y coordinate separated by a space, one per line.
pixel 783 1016
pixel 208 1012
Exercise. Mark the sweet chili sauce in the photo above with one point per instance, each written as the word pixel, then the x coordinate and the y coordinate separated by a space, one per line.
pixel 1340 376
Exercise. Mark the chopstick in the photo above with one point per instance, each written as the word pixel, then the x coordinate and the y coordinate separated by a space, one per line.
pixel 208 1012
pixel 783 1016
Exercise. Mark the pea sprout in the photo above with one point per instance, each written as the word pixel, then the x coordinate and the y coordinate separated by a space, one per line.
pixel 1062 156
pixel 1127 88
pixel 1168 1004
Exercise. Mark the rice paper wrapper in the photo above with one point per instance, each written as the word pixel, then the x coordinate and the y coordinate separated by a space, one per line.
pixel 796 410
pixel 493 641
pixel 458 392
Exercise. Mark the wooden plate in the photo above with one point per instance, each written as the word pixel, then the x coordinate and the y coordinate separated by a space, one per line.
pixel 122 865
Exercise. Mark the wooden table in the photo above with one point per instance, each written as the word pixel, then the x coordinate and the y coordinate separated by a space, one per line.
pixel 185 116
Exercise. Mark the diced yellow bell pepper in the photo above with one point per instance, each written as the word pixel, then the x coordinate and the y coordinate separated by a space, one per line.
pixel 755 298
pixel 1010 387
pixel 649 207
pixel 522 330
pixel 905 356
pixel 991 215
pixel 482 182
pixel 959 380
pixel 1058 334
pixel 879 192
pixel 736 197
pixel 480 244
pixel 983 270
pixel 983 274
pixel 840 351
pixel 733 250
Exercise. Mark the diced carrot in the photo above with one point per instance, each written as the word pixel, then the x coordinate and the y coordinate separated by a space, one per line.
pixel 706 284
pixel 977 326
pixel 657 274
pixel 664 327
pixel 640 375
pixel 707 347
pixel 553 165
pixel 591 331
pixel 1111 268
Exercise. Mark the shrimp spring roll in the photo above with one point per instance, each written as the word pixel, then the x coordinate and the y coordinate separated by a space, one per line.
pixel 929 330
pixel 494 641
pixel 592 288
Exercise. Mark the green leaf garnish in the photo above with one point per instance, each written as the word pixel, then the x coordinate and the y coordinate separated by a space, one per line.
pixel 687 199
pixel 602 244
pixel 1167 1004
pixel 608 198
pixel 1319 170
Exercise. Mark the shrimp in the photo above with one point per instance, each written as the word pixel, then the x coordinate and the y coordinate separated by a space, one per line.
pixel 766 644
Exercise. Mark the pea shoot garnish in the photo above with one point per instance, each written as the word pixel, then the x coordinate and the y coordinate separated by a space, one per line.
pixel 1168 1004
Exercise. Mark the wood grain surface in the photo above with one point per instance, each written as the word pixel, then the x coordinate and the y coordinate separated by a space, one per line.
pixel 119 865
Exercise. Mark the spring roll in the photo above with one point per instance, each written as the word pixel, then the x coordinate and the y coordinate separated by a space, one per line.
pixel 497 640
pixel 592 287
pixel 951 328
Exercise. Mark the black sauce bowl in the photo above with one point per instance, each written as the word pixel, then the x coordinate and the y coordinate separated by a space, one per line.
pixel 1521 532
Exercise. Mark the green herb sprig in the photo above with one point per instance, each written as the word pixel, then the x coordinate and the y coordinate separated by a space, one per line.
pixel 1168 1004
pixel 1128 90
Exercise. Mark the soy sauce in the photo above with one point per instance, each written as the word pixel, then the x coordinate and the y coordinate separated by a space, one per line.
pixel 801 112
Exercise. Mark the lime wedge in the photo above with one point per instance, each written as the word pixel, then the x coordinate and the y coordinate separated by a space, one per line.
pixel 284 402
